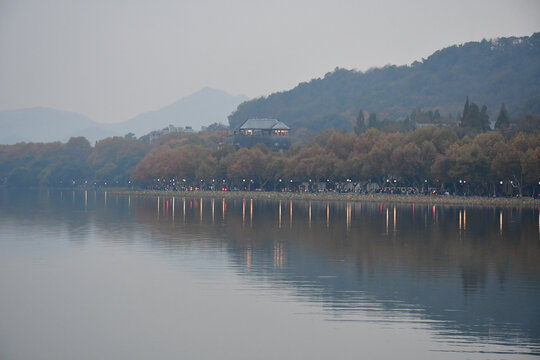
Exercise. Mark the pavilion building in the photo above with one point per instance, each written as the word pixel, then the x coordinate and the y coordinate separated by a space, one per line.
pixel 271 132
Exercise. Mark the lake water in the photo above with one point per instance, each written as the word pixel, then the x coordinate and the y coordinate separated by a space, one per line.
pixel 89 275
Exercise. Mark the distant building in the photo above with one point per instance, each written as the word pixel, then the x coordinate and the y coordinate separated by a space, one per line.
pixel 271 132
pixel 422 125
pixel 167 130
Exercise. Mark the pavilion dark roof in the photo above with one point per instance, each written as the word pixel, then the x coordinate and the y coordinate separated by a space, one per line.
pixel 263 124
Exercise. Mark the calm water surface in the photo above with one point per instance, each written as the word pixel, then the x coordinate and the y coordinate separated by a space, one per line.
pixel 86 275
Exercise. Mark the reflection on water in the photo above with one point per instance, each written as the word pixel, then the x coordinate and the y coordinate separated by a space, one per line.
pixel 465 280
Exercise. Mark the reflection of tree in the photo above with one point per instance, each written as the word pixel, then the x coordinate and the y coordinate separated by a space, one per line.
pixel 427 262
pixel 473 277
pixel 472 280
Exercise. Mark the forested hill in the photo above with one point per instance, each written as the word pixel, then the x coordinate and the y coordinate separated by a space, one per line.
pixel 503 70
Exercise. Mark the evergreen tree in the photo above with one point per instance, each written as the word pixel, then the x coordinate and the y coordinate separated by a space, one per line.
pixel 471 116
pixel 465 109
pixel 474 118
pixel 503 121
pixel 372 120
pixel 437 115
pixel 484 119
pixel 360 126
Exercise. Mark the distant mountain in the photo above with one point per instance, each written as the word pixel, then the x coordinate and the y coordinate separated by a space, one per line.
pixel 40 124
pixel 202 108
pixel 489 72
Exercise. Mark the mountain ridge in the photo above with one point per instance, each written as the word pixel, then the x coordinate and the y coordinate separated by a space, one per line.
pixel 34 124
pixel 44 124
pixel 490 71
pixel 198 109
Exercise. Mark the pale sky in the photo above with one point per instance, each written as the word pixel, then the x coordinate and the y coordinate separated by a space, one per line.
pixel 113 59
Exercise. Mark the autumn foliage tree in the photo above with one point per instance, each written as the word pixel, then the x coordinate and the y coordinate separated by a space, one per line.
pixel 428 157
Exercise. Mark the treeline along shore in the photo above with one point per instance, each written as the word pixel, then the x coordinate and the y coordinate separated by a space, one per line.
pixel 431 160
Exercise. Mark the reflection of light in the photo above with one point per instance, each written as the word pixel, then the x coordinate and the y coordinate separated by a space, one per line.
pixel 394 219
pixel 464 219
pixel 387 220
pixel 105 199
pixel 223 208
pixel 212 211
pixel 73 196
pixel 327 214
pixel 201 208
pixel 459 219
pixel 85 199
pixel 248 257
pixel 290 214
pixel 184 209
pixel 173 208
pixel 348 217
pixel 500 221
pixel 250 211
pixel 279 212
pixel 413 210
pixel 279 255
pixel 157 203
pixel 309 212
pixel 129 201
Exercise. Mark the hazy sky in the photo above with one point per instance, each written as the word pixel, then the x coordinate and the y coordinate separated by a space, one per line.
pixel 113 59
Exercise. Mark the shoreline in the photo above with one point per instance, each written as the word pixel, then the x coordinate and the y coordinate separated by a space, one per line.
pixel 330 196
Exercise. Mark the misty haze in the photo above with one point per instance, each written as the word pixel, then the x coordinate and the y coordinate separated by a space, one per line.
pixel 262 180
